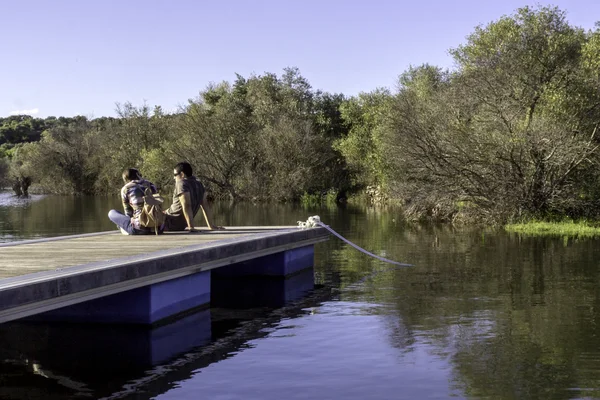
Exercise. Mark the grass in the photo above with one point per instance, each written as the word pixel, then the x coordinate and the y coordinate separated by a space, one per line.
pixel 569 228
pixel 315 200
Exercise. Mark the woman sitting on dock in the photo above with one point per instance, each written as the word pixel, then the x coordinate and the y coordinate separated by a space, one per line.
pixel 132 195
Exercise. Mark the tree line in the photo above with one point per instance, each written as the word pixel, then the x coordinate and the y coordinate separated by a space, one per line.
pixel 510 132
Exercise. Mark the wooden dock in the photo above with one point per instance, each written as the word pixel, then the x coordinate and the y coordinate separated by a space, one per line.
pixel 42 275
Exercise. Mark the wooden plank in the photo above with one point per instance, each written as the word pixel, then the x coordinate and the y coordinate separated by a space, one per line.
pixel 30 256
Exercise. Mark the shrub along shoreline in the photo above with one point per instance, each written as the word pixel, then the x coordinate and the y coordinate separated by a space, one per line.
pixel 568 228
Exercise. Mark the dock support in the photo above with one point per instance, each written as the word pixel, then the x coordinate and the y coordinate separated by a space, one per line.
pixel 160 302
pixel 260 291
pixel 145 305
pixel 284 263
pixel 269 281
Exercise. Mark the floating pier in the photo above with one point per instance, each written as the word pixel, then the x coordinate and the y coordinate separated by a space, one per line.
pixel 107 277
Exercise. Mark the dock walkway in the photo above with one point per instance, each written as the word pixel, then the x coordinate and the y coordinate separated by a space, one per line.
pixel 41 275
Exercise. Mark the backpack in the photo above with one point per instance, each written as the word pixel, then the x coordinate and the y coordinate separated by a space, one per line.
pixel 152 215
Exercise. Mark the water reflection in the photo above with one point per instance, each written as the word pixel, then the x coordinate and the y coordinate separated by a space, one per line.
pixel 517 316
pixel 106 360
pixel 254 292
pixel 85 358
pixel 44 216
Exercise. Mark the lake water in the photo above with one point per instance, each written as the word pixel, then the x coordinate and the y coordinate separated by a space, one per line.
pixel 482 315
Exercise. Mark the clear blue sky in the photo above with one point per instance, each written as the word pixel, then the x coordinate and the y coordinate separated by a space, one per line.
pixel 80 57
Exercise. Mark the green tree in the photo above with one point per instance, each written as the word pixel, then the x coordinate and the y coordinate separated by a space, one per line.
pixel 329 124
pixel 495 134
pixel 64 158
pixel 364 116
pixel 214 134
pixel 4 167
pixel 134 139
pixel 22 172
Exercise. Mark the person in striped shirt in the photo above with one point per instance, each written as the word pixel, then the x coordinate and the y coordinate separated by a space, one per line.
pixel 132 197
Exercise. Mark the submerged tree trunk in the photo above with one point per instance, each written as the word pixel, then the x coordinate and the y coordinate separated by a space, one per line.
pixel 16 186
pixel 25 183
pixel 21 186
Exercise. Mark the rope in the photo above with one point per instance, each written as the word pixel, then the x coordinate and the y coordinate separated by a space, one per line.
pixel 314 221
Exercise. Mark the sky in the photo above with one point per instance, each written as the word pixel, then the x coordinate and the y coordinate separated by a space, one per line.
pixel 79 57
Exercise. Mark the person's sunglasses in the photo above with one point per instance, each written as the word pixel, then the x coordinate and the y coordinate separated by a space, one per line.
pixel 176 173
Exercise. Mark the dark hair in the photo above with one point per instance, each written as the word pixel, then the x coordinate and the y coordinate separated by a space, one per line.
pixel 184 167
pixel 130 174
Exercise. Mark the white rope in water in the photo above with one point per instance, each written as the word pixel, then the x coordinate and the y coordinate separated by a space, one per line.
pixel 315 220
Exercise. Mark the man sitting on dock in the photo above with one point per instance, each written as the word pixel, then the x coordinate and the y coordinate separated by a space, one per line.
pixel 188 197
pixel 132 196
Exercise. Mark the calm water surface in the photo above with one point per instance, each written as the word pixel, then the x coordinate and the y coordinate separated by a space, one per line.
pixel 482 315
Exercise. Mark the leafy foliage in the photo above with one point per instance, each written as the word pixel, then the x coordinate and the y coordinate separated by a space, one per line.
pixel 511 132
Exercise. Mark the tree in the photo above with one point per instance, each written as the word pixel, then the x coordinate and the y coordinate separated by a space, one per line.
pixel 364 117
pixel 4 166
pixel 21 171
pixel 65 156
pixel 215 130
pixel 329 125
pixel 134 139
pixel 22 128
pixel 495 134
